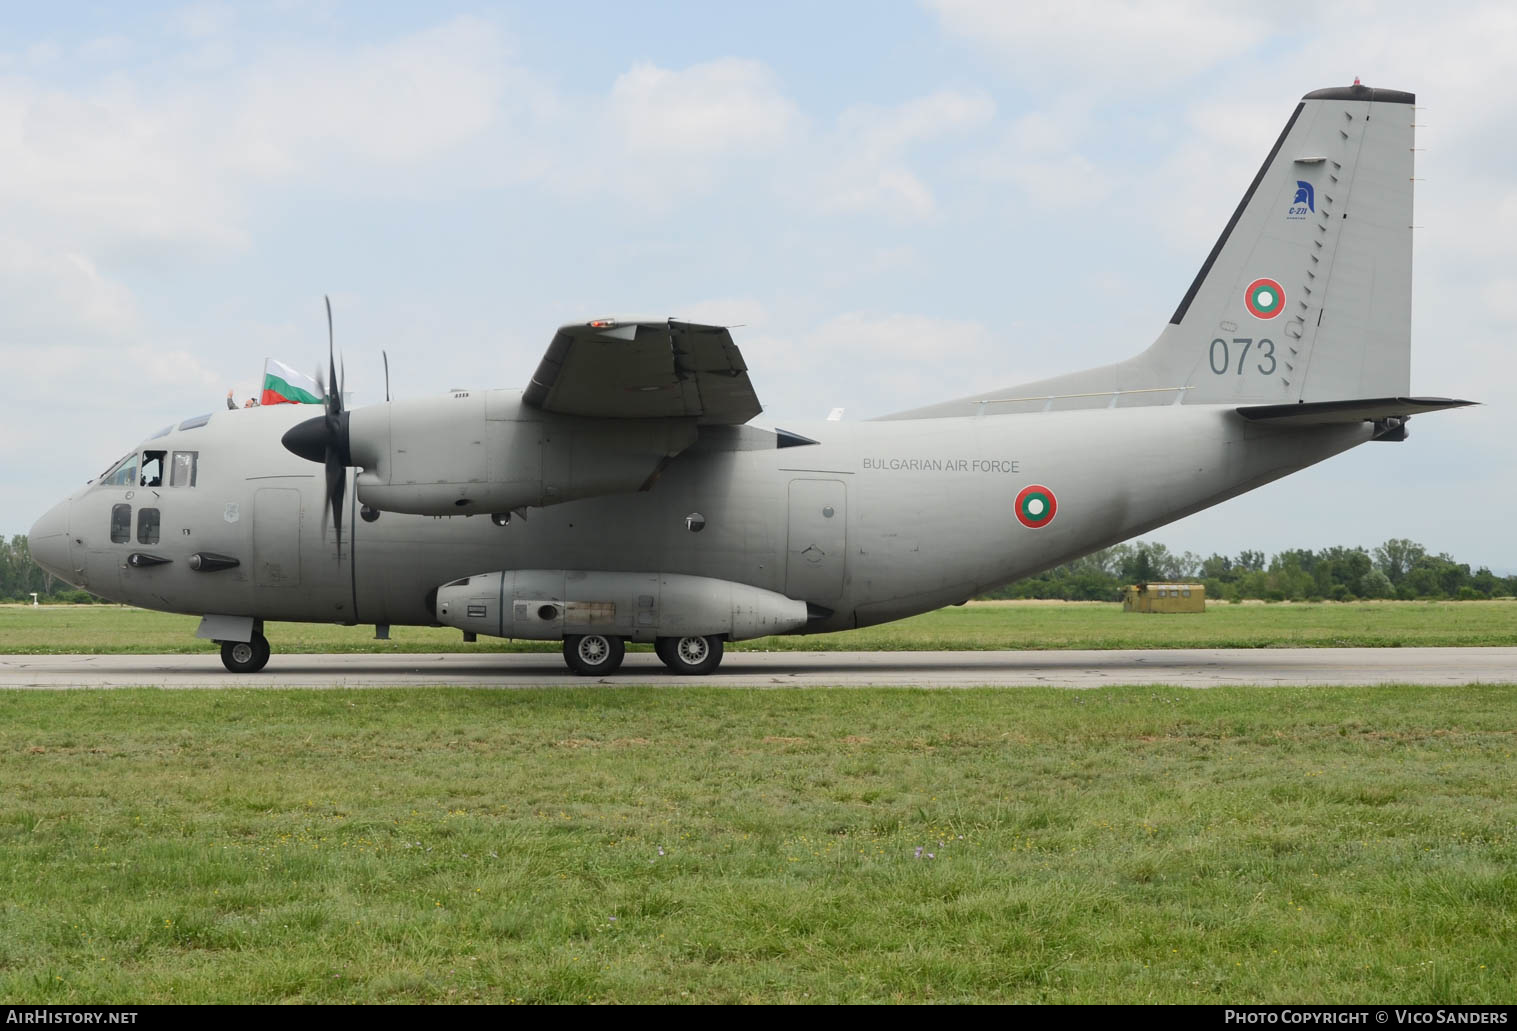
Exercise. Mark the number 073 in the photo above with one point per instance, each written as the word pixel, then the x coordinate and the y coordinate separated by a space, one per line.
pixel 1222 355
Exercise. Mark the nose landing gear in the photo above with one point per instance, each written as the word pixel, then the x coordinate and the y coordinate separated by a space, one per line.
pixel 245 656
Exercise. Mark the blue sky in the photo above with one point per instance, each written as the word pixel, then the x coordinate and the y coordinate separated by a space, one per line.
pixel 898 203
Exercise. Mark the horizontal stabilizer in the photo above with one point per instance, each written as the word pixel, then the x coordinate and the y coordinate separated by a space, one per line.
pixel 1319 413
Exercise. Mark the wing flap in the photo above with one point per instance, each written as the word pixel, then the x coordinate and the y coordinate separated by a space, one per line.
pixel 644 369
pixel 1321 413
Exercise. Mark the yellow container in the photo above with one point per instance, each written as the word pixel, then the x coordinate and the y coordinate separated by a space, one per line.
pixel 1165 598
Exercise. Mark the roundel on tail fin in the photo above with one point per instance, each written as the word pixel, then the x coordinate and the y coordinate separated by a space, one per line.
pixel 1264 298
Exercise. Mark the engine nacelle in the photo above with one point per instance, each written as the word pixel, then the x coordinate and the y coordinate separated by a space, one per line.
pixel 549 604
pixel 484 451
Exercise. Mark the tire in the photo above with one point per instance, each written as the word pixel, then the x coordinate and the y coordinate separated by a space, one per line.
pixel 690 656
pixel 594 655
pixel 245 657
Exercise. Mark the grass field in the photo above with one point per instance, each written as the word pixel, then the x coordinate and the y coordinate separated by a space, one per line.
pixel 995 625
pixel 703 845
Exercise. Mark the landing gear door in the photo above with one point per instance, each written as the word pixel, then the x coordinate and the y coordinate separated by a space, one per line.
pixel 817 542
pixel 276 537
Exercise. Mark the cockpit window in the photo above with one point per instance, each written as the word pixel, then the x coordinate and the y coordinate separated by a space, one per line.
pixel 182 469
pixel 147 525
pixel 152 468
pixel 121 524
pixel 195 423
pixel 123 473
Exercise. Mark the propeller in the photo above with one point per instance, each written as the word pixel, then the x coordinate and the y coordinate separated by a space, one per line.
pixel 324 439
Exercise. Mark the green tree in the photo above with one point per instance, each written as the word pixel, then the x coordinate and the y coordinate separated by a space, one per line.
pixel 1376 585
pixel 1396 557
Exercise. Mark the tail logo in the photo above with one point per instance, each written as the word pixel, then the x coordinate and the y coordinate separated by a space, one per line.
pixel 1036 506
pixel 1305 202
pixel 1264 299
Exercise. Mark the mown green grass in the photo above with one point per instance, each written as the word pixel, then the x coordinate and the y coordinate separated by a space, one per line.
pixel 1002 625
pixel 705 845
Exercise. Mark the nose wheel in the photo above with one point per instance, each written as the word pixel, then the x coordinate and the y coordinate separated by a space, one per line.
pixel 245 656
pixel 690 656
pixel 594 655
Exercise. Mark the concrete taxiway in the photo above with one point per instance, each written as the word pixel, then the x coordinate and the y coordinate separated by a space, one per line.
pixel 1075 669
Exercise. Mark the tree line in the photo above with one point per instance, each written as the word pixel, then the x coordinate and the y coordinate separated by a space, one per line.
pixel 20 575
pixel 1399 568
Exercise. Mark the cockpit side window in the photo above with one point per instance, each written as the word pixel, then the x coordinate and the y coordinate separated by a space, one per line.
pixel 121 521
pixel 152 468
pixel 182 470
pixel 147 526
pixel 123 473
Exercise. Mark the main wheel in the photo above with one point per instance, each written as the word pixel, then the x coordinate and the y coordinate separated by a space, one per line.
pixel 690 656
pixel 245 656
pixel 594 655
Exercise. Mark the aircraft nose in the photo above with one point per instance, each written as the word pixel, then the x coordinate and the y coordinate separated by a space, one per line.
pixel 48 541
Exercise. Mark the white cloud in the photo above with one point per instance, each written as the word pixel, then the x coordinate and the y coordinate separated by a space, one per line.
pixel 867 168
pixel 1038 154
pixel 120 160
pixel 1077 45
pixel 746 312
pixel 658 135
pixel 720 108
pixel 870 363
pixel 200 20
pixel 48 292
pixel 395 102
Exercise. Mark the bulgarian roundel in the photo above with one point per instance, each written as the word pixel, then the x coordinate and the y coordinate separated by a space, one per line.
pixel 1036 506
pixel 1264 298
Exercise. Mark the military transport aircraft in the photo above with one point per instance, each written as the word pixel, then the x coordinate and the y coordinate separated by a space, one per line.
pixel 624 496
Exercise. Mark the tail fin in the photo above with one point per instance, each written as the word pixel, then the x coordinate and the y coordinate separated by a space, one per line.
pixel 1315 265
pixel 1306 295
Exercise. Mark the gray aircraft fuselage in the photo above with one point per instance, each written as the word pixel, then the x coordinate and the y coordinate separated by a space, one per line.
pixel 646 508
pixel 875 521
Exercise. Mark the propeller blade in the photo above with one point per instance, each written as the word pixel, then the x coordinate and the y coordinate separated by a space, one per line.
pixel 385 355
pixel 337 482
pixel 334 406
pixel 334 444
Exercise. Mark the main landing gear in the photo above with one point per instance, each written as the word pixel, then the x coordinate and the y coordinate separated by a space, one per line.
pixel 600 655
pixel 246 656
pixel 690 656
pixel 594 655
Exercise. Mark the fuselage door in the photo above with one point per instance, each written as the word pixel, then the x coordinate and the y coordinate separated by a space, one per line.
pixel 818 539
pixel 276 537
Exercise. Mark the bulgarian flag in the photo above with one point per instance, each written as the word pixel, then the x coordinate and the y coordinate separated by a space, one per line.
pixel 282 385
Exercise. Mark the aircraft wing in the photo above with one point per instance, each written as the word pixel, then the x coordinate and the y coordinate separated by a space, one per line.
pixel 1318 413
pixel 644 369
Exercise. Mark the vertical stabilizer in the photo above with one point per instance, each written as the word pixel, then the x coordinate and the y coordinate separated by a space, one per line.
pixel 1306 295
pixel 1315 267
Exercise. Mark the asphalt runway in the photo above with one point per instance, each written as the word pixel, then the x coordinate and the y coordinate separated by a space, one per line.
pixel 1075 669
